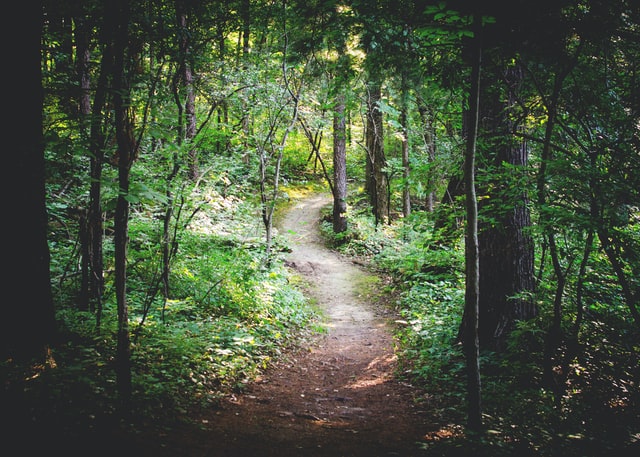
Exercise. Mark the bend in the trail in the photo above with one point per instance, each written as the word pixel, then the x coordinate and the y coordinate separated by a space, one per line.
pixel 336 397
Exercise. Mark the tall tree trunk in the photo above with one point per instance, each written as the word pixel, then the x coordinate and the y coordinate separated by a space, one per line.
pixel 189 93
pixel 268 199
pixel 245 14
pixel 554 337
pixel 472 259
pixel 339 166
pixel 82 37
pixel 376 179
pixel 168 242
pixel 126 150
pixel 28 320
pixel 83 60
pixel 506 249
pixel 223 109
pixel 428 137
pixel 94 224
pixel 406 167
pixel 182 78
pixel 190 131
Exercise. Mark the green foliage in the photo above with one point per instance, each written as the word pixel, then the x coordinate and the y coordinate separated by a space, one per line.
pixel 520 410
pixel 431 313
pixel 362 238
pixel 226 315
pixel 225 319
pixel 299 161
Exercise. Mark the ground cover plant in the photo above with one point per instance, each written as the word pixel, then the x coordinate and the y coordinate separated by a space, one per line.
pixel 227 317
pixel 596 410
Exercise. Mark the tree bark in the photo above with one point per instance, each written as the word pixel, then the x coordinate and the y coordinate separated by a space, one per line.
pixel 406 166
pixel 339 167
pixel 83 60
pixel 28 322
pixel 189 93
pixel 377 183
pixel 472 259
pixel 126 148
pixel 83 56
pixel 428 136
pixel 506 249
pixel 94 226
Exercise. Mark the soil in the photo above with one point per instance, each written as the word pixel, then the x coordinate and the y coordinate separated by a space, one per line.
pixel 335 395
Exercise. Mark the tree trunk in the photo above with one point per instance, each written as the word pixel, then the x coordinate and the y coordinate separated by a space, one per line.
pixel 377 183
pixel 245 13
pixel 472 260
pixel 506 249
pixel 428 137
pixel 91 236
pixel 126 149
pixel 269 201
pixel 82 37
pixel 369 182
pixel 223 109
pixel 406 168
pixel 339 167
pixel 83 61
pixel 189 94
pixel 94 226
pixel 28 321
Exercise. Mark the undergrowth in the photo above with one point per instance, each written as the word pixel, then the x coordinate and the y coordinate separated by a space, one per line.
pixel 226 317
pixel 597 412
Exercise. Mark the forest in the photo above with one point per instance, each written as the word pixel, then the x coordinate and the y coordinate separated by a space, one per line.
pixel 482 157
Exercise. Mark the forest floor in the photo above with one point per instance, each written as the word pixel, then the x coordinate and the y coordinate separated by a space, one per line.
pixel 336 395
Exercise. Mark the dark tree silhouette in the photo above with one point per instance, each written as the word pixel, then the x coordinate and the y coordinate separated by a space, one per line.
pixel 28 321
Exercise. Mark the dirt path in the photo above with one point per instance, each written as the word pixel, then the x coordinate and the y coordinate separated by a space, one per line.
pixel 337 397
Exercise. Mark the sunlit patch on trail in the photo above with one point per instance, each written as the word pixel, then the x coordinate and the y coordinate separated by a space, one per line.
pixel 377 372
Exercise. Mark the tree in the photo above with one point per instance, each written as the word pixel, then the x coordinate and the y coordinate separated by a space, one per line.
pixel 271 150
pixel 406 164
pixel 377 183
pixel 429 144
pixel 339 166
pixel 505 244
pixel 373 40
pixel 91 229
pixel 506 248
pixel 93 268
pixel 28 322
pixel 472 258
pixel 184 75
pixel 324 32
pixel 117 16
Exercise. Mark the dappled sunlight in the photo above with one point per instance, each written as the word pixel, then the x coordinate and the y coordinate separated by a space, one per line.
pixel 377 372
pixel 446 432
pixel 364 383
pixel 217 216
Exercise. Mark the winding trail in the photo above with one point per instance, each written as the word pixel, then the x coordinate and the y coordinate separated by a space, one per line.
pixel 337 396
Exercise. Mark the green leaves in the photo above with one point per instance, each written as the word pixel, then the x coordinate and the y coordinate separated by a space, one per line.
pixel 448 26
pixel 141 193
